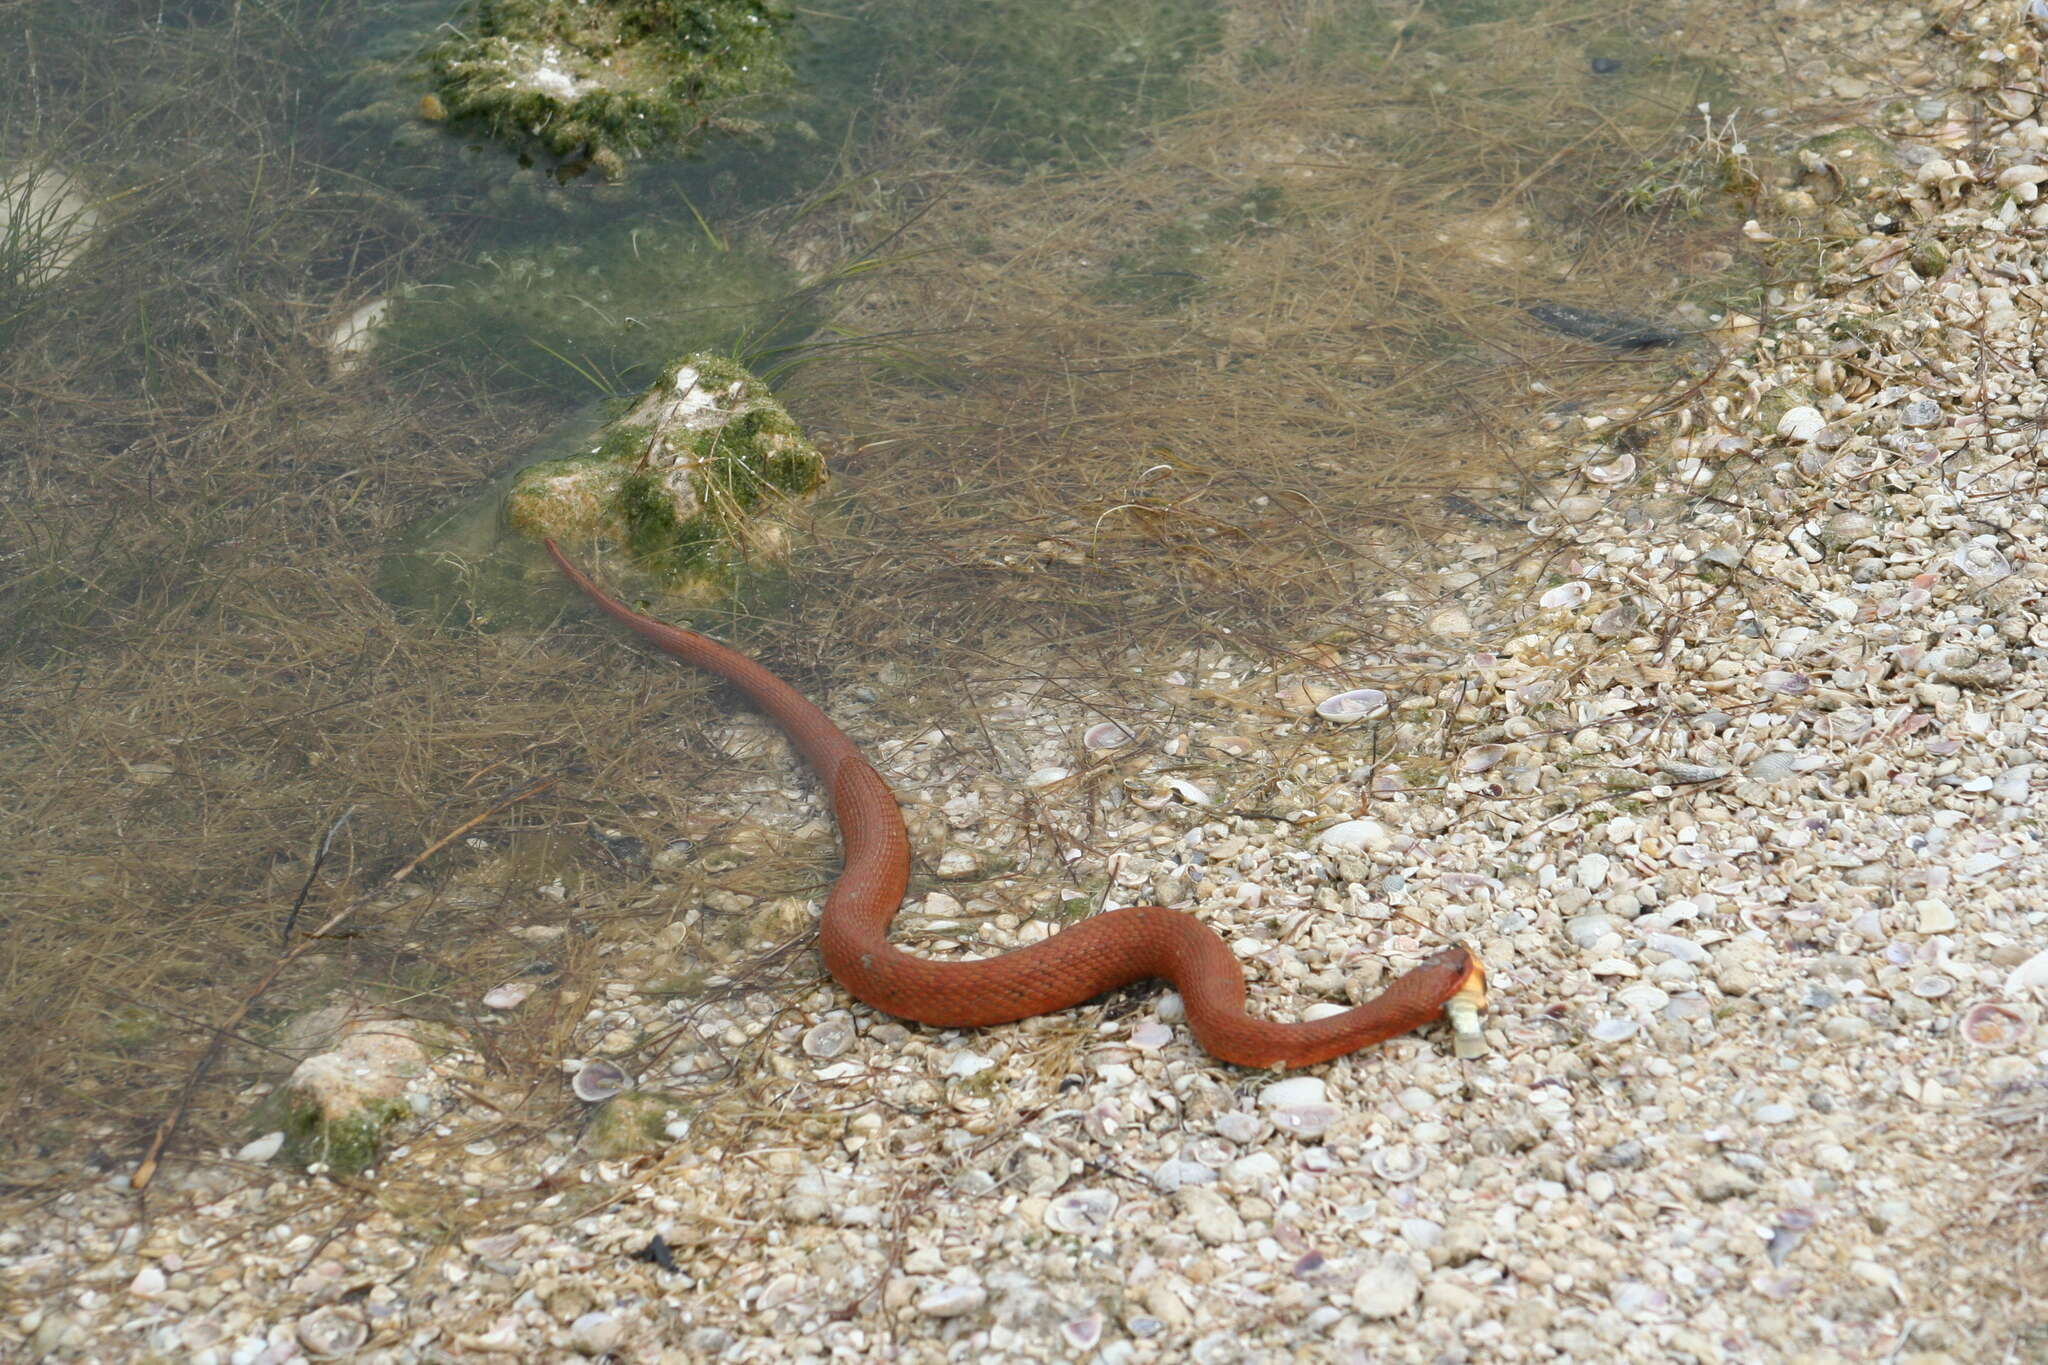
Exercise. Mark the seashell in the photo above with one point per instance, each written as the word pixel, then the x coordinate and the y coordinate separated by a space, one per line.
pixel 828 1037
pixel 1614 1030
pixel 1187 791
pixel 1480 757
pixel 1693 472
pixel 1989 1025
pixel 1046 777
pixel 261 1149
pixel 2029 974
pixel 1982 559
pixel 1082 1334
pixel 1801 424
pixel 1932 986
pixel 1107 735
pixel 1237 746
pixel 1399 1163
pixel 1150 1036
pixel 1306 1120
pixel 1565 596
pixel 1620 469
pixel 1082 1212
pixel 596 1082
pixel 1784 683
pixel 333 1332
pixel 1358 704
pixel 952 1300
pixel 508 996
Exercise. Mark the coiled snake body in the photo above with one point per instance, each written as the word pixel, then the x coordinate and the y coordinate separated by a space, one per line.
pixel 1081 962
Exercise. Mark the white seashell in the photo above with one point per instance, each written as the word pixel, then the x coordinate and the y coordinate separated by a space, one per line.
pixel 1187 791
pixel 1355 836
pixel 1357 704
pixel 1107 735
pixel 1982 558
pixel 509 996
pixel 1399 1164
pixel 1480 757
pixel 965 1064
pixel 1083 1212
pixel 1151 1036
pixel 1045 777
pixel 1619 470
pixel 1801 424
pixel 149 1282
pixel 332 1332
pixel 952 1300
pixel 1566 596
pixel 828 1038
pixel 1693 472
pixel 1614 1030
pixel 1643 997
pixel 1306 1121
pixel 262 1149
pixel 1295 1090
pixel 2028 975
pixel 1935 917
pixel 1932 986
pixel 596 1082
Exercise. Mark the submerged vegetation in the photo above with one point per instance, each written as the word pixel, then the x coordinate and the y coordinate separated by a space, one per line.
pixel 1045 466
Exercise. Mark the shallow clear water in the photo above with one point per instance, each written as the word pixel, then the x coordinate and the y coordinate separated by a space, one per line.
pixel 1125 329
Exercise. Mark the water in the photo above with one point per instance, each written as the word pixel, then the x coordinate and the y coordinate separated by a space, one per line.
pixel 1128 330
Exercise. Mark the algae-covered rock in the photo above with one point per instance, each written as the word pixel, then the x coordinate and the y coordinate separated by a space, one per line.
pixel 605 313
pixel 594 82
pixel 338 1105
pixel 1850 159
pixel 689 484
pixel 633 1123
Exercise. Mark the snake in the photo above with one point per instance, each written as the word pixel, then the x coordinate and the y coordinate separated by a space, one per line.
pixel 1087 959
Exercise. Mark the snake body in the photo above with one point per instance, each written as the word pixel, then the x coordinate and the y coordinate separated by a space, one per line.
pixel 1081 962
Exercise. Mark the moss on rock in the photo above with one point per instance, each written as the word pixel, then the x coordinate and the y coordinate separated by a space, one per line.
pixel 687 484
pixel 633 1123
pixel 592 83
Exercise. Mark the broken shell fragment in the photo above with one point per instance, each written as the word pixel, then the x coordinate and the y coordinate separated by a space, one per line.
pixel 1565 596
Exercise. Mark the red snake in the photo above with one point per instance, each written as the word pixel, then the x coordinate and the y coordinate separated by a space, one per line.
pixel 1096 955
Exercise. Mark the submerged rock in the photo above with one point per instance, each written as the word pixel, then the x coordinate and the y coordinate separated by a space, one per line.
pixel 593 82
pixel 338 1106
pixel 692 488
pixel 688 484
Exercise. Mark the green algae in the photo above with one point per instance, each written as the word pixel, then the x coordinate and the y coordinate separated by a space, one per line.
pixel 603 314
pixel 593 84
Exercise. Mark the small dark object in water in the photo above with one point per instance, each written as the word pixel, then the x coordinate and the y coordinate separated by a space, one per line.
pixel 656 1251
pixel 1618 330
pixel 1606 66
